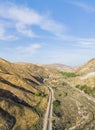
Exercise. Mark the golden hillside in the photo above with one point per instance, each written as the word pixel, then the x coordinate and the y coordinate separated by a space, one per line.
pixel 85 80
pixel 87 67
pixel 23 97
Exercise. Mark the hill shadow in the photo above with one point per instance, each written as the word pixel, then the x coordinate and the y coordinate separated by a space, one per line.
pixel 15 86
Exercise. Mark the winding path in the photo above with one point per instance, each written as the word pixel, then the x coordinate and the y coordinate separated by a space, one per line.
pixel 47 124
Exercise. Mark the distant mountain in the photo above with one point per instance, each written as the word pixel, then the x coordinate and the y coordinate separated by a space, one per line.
pixel 60 67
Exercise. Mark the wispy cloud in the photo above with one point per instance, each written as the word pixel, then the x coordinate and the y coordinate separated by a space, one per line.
pixel 84 6
pixel 24 18
pixel 21 28
pixel 86 42
pixel 27 51
pixel 21 53
pixel 4 36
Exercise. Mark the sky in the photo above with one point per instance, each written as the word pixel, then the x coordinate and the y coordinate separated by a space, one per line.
pixel 47 31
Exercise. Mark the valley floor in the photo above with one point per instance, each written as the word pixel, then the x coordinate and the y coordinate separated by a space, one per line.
pixel 76 110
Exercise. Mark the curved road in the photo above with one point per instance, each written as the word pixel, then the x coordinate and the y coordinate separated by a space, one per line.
pixel 47 124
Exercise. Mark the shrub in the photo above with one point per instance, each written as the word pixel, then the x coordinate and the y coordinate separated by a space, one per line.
pixel 58 126
pixel 39 94
pixel 56 103
pixel 65 94
pixel 53 121
pixel 60 94
pixel 64 83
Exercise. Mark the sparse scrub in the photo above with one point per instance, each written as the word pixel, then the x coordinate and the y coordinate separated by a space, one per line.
pixel 39 125
pixel 65 94
pixel 58 126
pixel 60 95
pixel 58 112
pixel 53 121
pixel 86 89
pixel 39 111
pixel 17 128
pixel 53 87
pixel 64 83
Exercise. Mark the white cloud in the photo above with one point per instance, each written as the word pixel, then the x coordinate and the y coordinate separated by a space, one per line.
pixel 27 51
pixel 84 43
pixel 84 6
pixel 24 53
pixel 23 29
pixel 52 26
pixel 23 18
pixel 87 41
pixel 4 36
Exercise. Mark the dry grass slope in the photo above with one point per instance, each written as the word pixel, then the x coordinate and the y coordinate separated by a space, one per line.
pixel 23 97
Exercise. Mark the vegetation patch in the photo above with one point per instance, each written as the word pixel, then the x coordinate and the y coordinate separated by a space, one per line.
pixel 58 126
pixel 58 113
pixel 68 74
pixel 86 89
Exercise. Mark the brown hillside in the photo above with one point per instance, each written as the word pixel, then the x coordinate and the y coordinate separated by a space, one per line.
pixel 23 97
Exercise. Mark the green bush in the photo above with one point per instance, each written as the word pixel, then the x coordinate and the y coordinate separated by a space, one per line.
pixel 39 94
pixel 56 103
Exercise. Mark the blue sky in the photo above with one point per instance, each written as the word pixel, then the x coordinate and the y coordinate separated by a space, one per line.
pixel 52 31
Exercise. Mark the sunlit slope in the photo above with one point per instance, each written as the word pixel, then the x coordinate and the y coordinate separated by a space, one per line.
pixel 85 80
pixel 23 97
pixel 87 67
